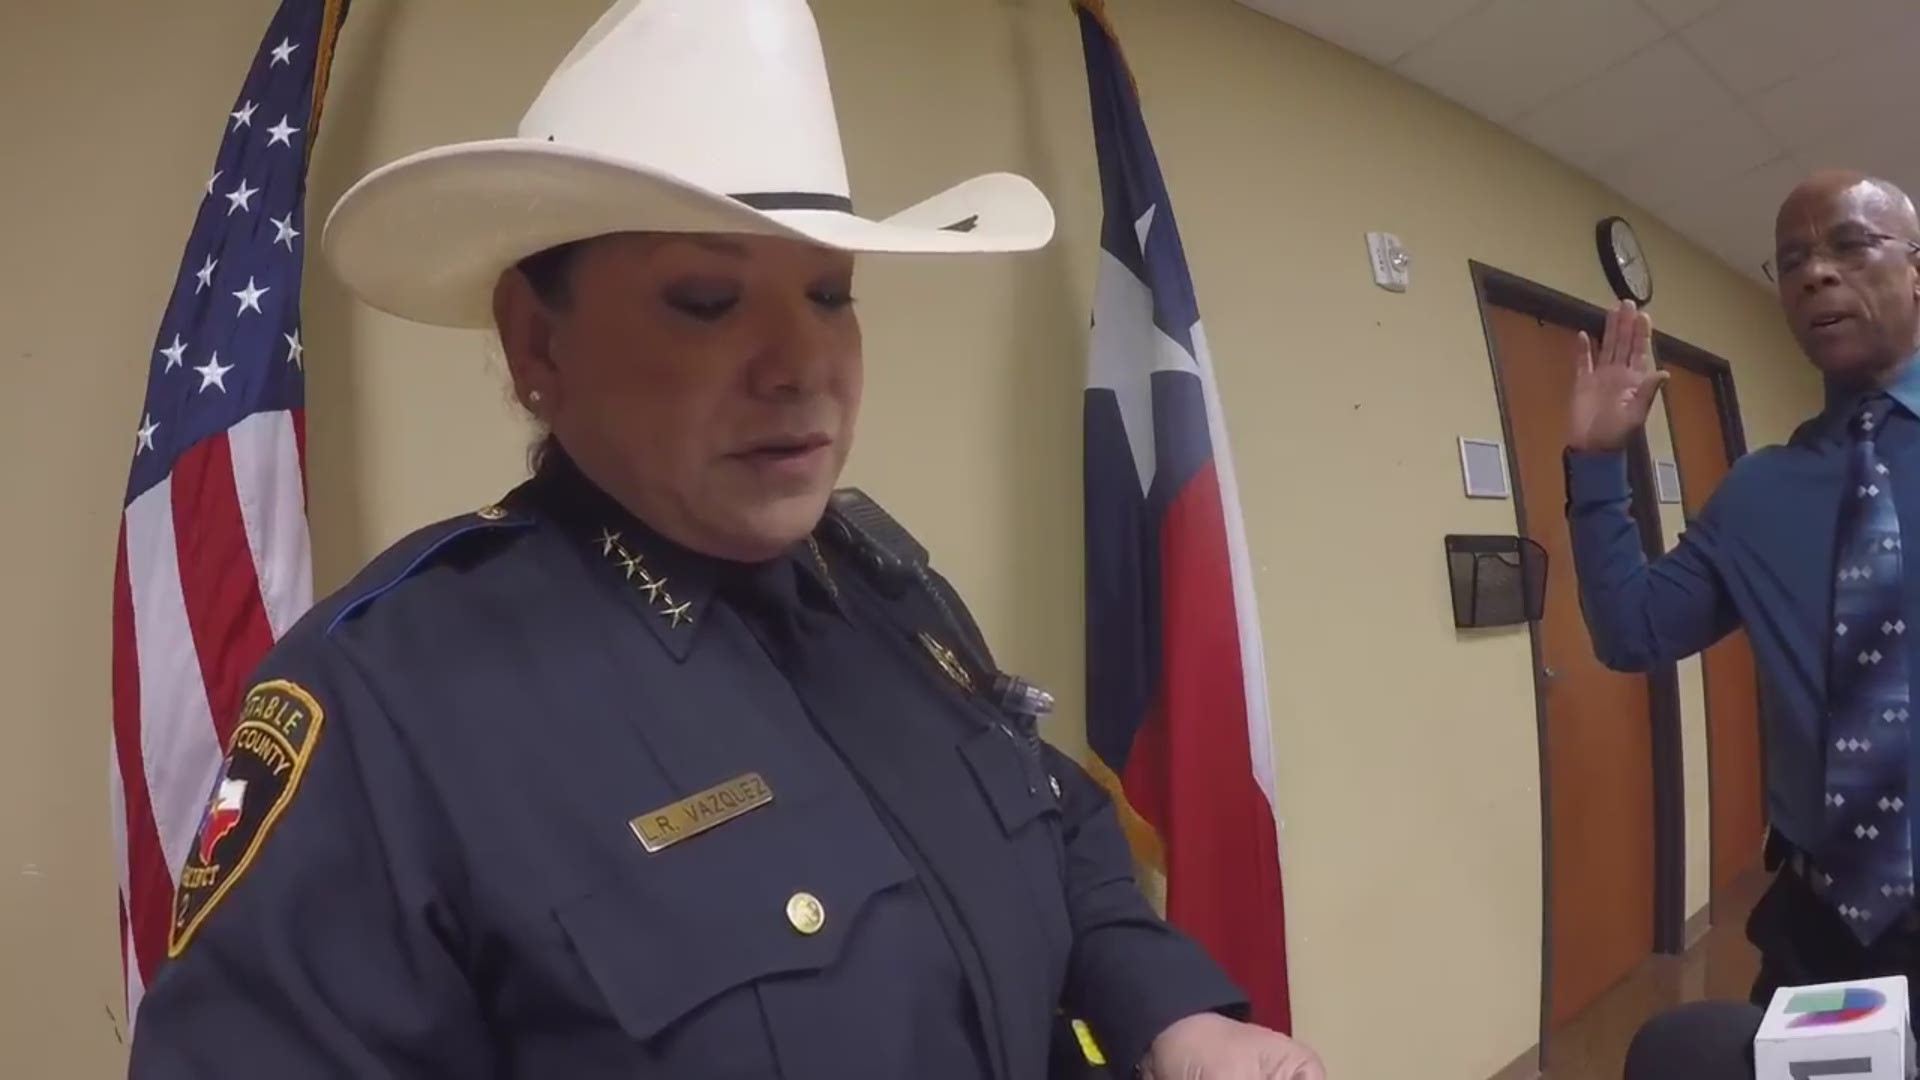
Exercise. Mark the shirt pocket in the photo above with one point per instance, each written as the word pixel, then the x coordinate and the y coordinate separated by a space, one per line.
pixel 678 938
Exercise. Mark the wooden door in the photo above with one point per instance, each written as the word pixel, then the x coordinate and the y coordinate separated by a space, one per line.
pixel 1736 805
pixel 1596 737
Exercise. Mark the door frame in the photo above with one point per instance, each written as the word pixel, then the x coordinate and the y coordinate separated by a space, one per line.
pixel 1494 287
pixel 1719 374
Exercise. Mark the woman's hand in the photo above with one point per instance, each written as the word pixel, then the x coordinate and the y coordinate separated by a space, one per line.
pixel 1207 1046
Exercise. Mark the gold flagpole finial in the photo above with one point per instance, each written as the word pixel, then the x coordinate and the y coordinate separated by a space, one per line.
pixel 1098 9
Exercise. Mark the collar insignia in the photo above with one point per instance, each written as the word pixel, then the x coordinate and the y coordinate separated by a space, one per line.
pixel 650 586
pixel 948 662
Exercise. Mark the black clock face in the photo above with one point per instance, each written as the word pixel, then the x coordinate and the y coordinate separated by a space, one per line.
pixel 1625 262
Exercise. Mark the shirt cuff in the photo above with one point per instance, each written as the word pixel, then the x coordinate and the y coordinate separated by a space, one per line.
pixel 1184 982
pixel 1596 477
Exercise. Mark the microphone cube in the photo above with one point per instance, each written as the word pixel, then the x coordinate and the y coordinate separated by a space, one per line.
pixel 1856 1030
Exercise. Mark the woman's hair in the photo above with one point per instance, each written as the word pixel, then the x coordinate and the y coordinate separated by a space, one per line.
pixel 549 273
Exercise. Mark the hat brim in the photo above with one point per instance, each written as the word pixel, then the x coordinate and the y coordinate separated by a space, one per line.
pixel 427 236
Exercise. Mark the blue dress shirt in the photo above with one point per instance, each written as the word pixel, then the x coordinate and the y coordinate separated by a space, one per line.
pixel 1759 556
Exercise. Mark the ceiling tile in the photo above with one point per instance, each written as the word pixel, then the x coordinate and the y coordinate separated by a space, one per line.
pixel 1513 54
pixel 1658 89
pixel 1662 170
pixel 1755 44
pixel 1735 216
pixel 1867 89
pixel 1678 13
pixel 1380 30
pixel 1862 146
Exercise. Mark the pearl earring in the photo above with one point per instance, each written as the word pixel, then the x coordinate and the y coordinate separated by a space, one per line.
pixel 533 397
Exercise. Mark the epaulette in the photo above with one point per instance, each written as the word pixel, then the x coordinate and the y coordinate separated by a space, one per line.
pixel 423 549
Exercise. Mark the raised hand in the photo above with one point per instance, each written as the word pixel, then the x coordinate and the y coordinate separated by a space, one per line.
pixel 1614 391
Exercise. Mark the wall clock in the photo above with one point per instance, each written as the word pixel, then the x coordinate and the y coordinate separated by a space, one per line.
pixel 1624 261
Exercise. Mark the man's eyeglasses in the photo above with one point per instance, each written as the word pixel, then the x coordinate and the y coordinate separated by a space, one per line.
pixel 1851 250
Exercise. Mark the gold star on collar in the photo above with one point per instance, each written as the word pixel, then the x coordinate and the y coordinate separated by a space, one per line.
pixel 654 589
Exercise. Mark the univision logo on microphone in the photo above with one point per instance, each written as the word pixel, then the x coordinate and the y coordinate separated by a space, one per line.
pixel 1837 1031
pixel 1840 1005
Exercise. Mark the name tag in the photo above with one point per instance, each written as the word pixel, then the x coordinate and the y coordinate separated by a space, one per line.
pixel 695 814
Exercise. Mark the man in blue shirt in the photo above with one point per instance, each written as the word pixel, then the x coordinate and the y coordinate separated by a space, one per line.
pixel 1801 546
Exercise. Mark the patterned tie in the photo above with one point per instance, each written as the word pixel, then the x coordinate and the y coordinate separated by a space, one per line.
pixel 1867 864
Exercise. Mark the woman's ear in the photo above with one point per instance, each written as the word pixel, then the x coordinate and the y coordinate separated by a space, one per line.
pixel 526 327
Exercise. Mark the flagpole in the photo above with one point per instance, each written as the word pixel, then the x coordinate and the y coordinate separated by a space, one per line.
pixel 331 17
pixel 1098 9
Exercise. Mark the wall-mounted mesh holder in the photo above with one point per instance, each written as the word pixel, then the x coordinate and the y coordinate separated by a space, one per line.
pixel 1497 580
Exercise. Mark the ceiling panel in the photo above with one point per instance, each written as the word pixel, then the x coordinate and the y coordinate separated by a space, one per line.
pixel 1864 87
pixel 1678 13
pixel 1755 44
pixel 1673 165
pixel 1380 30
pixel 1735 217
pixel 1864 147
pixel 1704 112
pixel 1656 90
pixel 1511 54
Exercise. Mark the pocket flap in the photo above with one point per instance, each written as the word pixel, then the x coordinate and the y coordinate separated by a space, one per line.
pixel 670 934
pixel 1016 787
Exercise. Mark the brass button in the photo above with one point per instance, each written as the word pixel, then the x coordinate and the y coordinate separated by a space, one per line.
pixel 805 913
pixel 490 513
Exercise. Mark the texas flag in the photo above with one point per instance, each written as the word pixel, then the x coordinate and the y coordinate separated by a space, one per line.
pixel 1176 689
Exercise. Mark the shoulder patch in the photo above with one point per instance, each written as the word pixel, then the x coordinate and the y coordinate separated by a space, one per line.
pixel 407 558
pixel 279 725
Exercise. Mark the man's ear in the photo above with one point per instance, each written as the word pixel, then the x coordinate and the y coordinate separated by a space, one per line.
pixel 526 327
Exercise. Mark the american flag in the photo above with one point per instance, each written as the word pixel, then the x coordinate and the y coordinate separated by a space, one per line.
pixel 1176 681
pixel 213 560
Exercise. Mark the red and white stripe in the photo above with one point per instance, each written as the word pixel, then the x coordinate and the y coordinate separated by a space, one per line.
pixel 213 567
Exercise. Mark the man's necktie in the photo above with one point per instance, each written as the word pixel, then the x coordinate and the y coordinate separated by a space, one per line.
pixel 1867 864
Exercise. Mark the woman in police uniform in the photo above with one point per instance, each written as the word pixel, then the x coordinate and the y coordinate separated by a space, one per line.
pixel 662 766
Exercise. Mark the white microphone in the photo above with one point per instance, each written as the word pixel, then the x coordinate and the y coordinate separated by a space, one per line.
pixel 1857 1030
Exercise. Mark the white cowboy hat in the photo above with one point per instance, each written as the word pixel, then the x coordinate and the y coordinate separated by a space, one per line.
pixel 671 116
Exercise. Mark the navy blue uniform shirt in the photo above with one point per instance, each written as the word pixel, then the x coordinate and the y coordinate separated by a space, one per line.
pixel 542 795
pixel 1758 556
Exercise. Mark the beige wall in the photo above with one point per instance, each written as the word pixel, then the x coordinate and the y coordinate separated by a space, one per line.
pixel 1406 753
